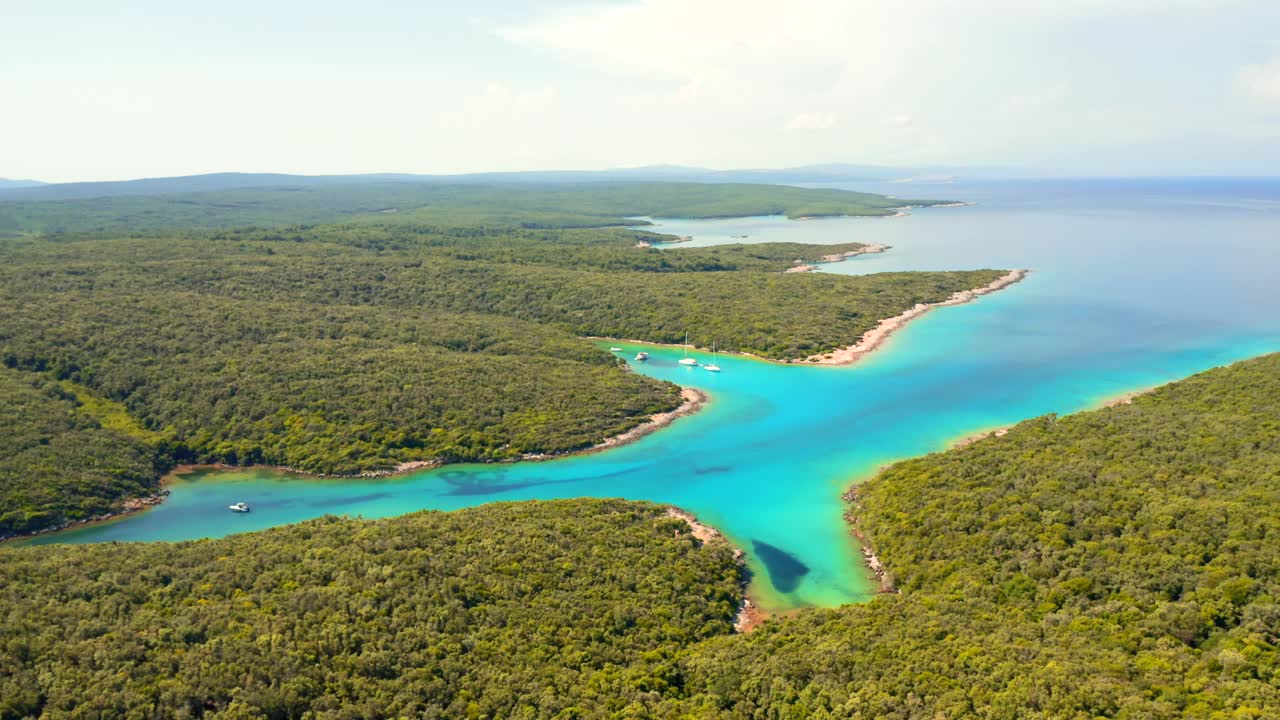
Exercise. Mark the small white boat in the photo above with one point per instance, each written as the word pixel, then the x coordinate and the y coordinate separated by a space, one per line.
pixel 642 356
pixel 687 360
pixel 239 507
pixel 712 366
pixel 615 349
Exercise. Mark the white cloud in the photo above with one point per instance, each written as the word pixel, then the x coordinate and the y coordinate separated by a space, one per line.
pixel 1261 83
pixel 812 121
pixel 680 36
pixel 906 81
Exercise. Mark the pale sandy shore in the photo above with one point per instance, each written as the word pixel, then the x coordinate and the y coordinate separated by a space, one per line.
pixel 870 341
pixel 693 402
pixel 749 614
pixel 401 469
pixel 971 439
pixel 837 257
pixel 875 337
pixel 1126 398
pixel 673 239
pixel 870 249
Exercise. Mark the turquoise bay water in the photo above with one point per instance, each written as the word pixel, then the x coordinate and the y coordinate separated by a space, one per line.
pixel 1135 283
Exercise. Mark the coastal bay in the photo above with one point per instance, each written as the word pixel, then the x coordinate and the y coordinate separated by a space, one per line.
pixel 767 460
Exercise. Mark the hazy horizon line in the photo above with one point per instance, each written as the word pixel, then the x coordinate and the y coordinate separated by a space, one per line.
pixel 989 172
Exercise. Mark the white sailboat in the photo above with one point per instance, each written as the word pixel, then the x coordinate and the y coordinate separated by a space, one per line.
pixel 687 360
pixel 712 366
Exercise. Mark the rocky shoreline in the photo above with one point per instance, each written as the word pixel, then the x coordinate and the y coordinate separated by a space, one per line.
pixel 749 615
pixel 971 439
pixel 128 507
pixel 882 575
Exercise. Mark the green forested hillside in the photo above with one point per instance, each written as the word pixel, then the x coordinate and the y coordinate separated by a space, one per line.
pixel 58 462
pixel 507 611
pixel 1121 563
pixel 1114 564
pixel 340 349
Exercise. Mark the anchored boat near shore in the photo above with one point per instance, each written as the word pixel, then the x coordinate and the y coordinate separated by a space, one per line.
pixel 686 360
pixel 712 366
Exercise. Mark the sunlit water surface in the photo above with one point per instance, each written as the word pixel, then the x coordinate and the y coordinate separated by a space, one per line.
pixel 1135 283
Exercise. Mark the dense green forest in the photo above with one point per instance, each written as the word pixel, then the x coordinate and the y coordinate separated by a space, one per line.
pixel 1120 563
pixel 599 204
pixel 507 611
pixel 61 460
pixel 354 347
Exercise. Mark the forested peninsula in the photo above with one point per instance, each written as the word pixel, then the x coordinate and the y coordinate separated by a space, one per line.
pixel 588 204
pixel 448 330
pixel 1119 563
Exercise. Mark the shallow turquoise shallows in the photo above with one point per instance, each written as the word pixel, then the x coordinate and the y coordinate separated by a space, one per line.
pixel 1135 283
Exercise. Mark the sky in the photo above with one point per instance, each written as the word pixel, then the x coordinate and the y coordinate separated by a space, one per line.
pixel 147 88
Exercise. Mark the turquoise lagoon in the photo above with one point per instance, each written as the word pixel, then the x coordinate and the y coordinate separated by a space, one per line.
pixel 1135 283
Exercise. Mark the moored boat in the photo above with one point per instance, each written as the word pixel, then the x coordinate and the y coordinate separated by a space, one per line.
pixel 712 366
pixel 687 360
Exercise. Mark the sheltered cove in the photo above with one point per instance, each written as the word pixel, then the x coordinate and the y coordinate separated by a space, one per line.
pixel 749 614
pixel 693 400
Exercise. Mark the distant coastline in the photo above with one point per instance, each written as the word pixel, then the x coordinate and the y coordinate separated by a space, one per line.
pixel 838 257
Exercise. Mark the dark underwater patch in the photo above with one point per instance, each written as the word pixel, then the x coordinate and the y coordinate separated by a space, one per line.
pixel 785 570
